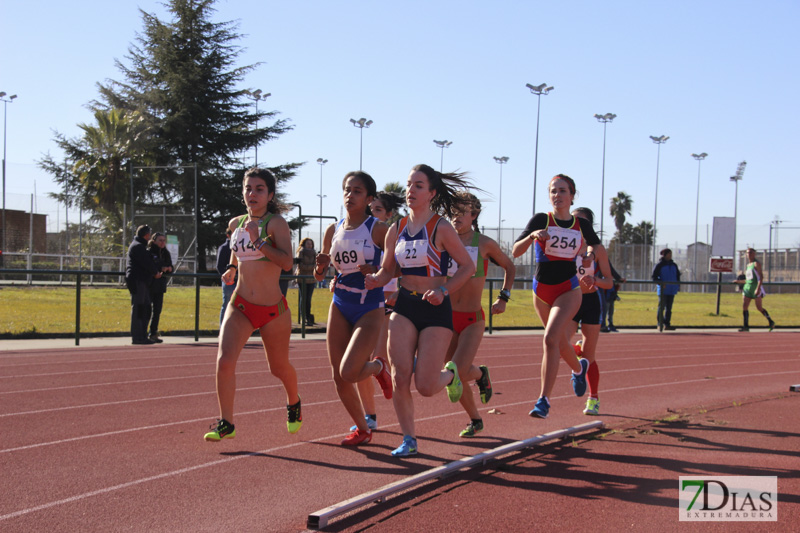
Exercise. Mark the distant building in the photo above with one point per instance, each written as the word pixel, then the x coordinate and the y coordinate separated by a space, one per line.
pixel 18 232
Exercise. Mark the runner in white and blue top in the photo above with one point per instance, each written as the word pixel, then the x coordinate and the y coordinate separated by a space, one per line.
pixel 355 317
pixel 350 249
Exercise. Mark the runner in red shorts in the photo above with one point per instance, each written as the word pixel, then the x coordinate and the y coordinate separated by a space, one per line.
pixel 558 237
pixel 468 316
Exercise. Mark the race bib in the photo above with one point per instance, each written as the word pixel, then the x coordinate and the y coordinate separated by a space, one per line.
pixel 452 266
pixel 411 254
pixel 584 271
pixel 346 255
pixel 749 273
pixel 563 243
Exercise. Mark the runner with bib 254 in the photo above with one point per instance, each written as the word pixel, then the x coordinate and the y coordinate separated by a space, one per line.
pixel 558 238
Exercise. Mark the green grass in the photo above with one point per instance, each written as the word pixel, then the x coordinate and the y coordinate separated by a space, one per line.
pixel 49 310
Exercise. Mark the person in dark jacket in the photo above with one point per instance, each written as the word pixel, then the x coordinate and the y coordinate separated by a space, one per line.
pixel 158 249
pixel 666 271
pixel 140 271
pixel 223 261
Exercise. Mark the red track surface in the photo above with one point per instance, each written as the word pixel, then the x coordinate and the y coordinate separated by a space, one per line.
pixel 111 439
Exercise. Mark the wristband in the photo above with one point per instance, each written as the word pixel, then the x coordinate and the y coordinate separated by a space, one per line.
pixel 231 265
pixel 317 272
pixel 445 292
pixel 504 295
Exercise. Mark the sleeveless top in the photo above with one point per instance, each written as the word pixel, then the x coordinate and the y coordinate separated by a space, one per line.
pixel 582 270
pixel 481 263
pixel 241 245
pixel 416 254
pixel 563 244
pixel 751 277
pixel 349 249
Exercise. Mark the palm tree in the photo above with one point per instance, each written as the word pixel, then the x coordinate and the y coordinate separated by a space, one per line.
pixel 620 207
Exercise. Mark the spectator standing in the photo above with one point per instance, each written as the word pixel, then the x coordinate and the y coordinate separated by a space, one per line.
pixel 140 270
pixel 306 261
pixel 668 276
pixel 158 249
pixel 610 297
pixel 223 260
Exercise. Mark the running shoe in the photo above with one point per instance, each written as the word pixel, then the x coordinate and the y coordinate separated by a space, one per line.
pixel 660 327
pixel 409 447
pixel 221 429
pixel 484 384
pixel 541 409
pixel 579 380
pixel 357 438
pixel 384 378
pixel 670 328
pixel 771 324
pixel 473 428
pixel 612 329
pixel 744 329
pixel 294 419
pixel 372 423
pixel 455 388
pixel 592 407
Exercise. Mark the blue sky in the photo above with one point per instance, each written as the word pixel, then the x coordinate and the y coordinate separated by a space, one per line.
pixel 716 77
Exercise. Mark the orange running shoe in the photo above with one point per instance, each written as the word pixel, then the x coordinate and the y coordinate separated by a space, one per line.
pixel 384 378
pixel 357 438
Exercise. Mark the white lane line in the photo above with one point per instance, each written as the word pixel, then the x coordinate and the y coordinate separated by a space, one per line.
pixel 185 470
pixel 177 396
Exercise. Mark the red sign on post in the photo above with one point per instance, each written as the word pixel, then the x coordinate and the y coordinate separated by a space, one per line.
pixel 719 264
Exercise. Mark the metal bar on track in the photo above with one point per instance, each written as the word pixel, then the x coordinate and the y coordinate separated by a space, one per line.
pixel 319 519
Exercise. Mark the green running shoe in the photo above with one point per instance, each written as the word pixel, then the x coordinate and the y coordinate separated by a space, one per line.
pixel 473 428
pixel 771 324
pixel 592 407
pixel 295 418
pixel 221 429
pixel 484 384
pixel 455 388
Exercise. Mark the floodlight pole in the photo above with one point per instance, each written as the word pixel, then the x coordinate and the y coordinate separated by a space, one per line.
pixel 699 158
pixel 605 119
pixel 442 144
pixel 7 101
pixel 321 163
pixel 361 124
pixel 659 141
pixel 500 161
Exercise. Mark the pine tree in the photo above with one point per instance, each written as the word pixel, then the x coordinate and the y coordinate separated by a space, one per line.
pixel 181 78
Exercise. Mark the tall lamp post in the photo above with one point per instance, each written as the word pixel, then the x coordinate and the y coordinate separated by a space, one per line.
pixel 256 96
pixel 361 124
pixel 442 144
pixel 605 119
pixel 699 158
pixel 501 161
pixel 538 90
pixel 659 141
pixel 6 101
pixel 321 163
pixel 736 179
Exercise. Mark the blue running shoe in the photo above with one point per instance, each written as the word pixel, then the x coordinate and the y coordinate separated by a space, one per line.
pixel 372 423
pixel 579 380
pixel 409 447
pixel 541 409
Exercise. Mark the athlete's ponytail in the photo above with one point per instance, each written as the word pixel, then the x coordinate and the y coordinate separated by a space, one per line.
pixel 446 186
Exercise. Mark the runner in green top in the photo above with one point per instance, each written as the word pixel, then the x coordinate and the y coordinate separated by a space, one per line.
pixel 753 289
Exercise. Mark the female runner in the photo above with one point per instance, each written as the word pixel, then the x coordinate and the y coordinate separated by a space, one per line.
pixel 383 207
pixel 422 321
pixel 356 314
pixel 260 248
pixel 558 238
pixel 594 273
pixel 753 289
pixel 469 320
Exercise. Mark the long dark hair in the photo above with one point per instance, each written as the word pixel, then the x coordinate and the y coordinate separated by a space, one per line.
pixel 391 201
pixel 465 200
pixel 570 184
pixel 274 206
pixel 587 213
pixel 446 186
